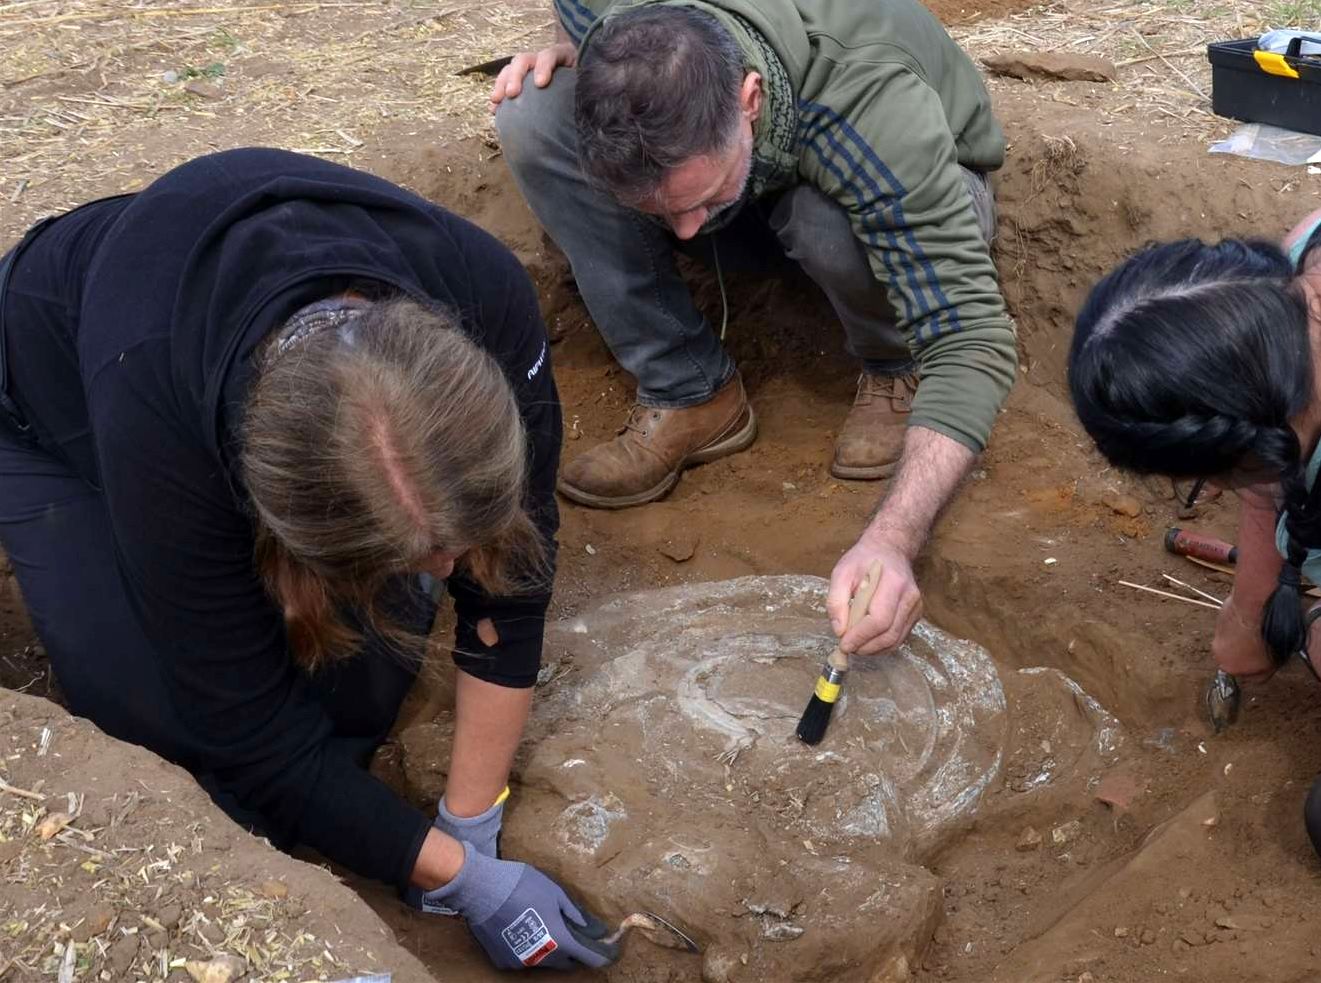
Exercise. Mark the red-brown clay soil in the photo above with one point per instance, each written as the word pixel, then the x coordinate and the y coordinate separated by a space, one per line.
pixel 1207 875
pixel 1227 899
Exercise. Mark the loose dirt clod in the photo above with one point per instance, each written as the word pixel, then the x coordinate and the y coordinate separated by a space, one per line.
pixel 273 889
pixel 52 824
pixel 1058 66
pixel 1123 505
pixel 1118 790
pixel 1029 840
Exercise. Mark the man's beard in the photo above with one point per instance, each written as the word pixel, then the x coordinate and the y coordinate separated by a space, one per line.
pixel 719 210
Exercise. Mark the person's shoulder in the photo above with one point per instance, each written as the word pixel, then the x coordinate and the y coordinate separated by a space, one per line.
pixel 1300 232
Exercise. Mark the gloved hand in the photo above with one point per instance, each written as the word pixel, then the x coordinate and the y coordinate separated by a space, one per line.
pixel 482 830
pixel 520 916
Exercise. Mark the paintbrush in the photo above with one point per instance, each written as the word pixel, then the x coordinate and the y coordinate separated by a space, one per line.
pixel 812 726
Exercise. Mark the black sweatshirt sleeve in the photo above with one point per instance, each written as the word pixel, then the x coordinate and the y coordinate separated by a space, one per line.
pixel 509 326
pixel 185 552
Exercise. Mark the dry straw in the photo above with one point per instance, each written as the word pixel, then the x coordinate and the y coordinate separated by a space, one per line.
pixel 85 108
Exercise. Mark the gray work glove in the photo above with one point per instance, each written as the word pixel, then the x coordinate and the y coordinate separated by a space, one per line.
pixel 520 917
pixel 482 831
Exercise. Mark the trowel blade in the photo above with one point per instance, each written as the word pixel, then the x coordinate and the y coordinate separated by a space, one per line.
pixel 667 934
pixel 1222 699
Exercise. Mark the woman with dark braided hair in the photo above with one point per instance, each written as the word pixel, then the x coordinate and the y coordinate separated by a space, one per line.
pixel 1194 360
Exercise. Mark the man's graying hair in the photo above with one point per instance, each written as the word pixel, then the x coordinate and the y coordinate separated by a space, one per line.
pixel 657 86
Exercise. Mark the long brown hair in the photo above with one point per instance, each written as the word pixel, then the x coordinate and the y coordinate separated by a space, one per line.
pixel 366 448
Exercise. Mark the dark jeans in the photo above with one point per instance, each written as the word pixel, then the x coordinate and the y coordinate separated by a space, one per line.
pixel 624 264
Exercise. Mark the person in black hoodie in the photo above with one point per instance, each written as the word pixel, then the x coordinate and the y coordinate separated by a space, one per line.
pixel 251 418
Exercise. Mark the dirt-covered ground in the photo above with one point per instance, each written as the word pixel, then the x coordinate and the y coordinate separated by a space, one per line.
pixel 1204 871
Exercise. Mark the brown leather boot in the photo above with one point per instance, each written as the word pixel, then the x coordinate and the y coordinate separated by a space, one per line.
pixel 872 440
pixel 643 463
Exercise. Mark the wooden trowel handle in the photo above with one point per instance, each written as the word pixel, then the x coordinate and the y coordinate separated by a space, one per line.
pixel 857 610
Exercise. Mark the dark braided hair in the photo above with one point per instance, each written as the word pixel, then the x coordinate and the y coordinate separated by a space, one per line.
pixel 1191 359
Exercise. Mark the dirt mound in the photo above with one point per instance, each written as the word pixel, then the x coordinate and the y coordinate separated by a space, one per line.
pixel 118 862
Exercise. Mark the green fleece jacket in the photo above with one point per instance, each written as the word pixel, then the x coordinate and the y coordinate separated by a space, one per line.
pixel 886 108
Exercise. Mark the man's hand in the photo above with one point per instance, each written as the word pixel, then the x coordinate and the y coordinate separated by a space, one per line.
pixel 542 65
pixel 894 608
pixel 929 474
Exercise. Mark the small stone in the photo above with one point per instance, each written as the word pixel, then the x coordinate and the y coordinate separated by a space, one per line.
pixel 204 89
pixel 1180 945
pixel 274 890
pixel 788 486
pixel 1066 833
pixel 1086 978
pixel 96 921
pixel 1192 936
pixel 680 549
pixel 1147 937
pixel 1029 840
pixel 222 969
pixel 1226 922
pixel 591 550
pixel 1121 932
pixel 170 77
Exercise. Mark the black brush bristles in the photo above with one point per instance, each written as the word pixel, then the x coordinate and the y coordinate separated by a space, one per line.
pixel 816 718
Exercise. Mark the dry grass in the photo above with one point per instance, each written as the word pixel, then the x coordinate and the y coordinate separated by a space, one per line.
pixel 260 926
pixel 86 108
pixel 1159 47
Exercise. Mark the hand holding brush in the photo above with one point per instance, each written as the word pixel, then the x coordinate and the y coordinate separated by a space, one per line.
pixel 812 726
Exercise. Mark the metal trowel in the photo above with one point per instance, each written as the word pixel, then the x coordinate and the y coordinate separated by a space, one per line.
pixel 656 930
pixel 1222 700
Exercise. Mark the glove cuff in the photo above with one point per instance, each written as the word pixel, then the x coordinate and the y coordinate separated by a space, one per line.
pixel 447 821
pixel 478 890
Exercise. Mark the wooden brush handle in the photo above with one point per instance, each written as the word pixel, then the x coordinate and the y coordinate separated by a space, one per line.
pixel 857 610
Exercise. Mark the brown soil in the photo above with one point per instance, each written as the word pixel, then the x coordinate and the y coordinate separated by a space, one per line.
pixel 1178 884
pixel 1069 210
pixel 108 851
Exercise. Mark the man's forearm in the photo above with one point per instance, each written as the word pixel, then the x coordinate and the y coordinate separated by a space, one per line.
pixel 930 472
pixel 488 724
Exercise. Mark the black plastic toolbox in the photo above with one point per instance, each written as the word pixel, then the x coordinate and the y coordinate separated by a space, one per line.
pixel 1260 87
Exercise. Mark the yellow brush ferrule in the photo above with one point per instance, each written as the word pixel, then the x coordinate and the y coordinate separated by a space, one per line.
pixel 501 797
pixel 826 691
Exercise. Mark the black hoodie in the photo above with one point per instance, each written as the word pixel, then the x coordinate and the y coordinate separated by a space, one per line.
pixel 140 388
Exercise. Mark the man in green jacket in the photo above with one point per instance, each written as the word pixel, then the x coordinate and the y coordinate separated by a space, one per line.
pixel 857 138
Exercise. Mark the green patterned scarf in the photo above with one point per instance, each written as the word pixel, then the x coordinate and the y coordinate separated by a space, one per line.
pixel 775 133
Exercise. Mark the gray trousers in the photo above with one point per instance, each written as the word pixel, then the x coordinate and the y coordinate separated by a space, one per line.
pixel 624 263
